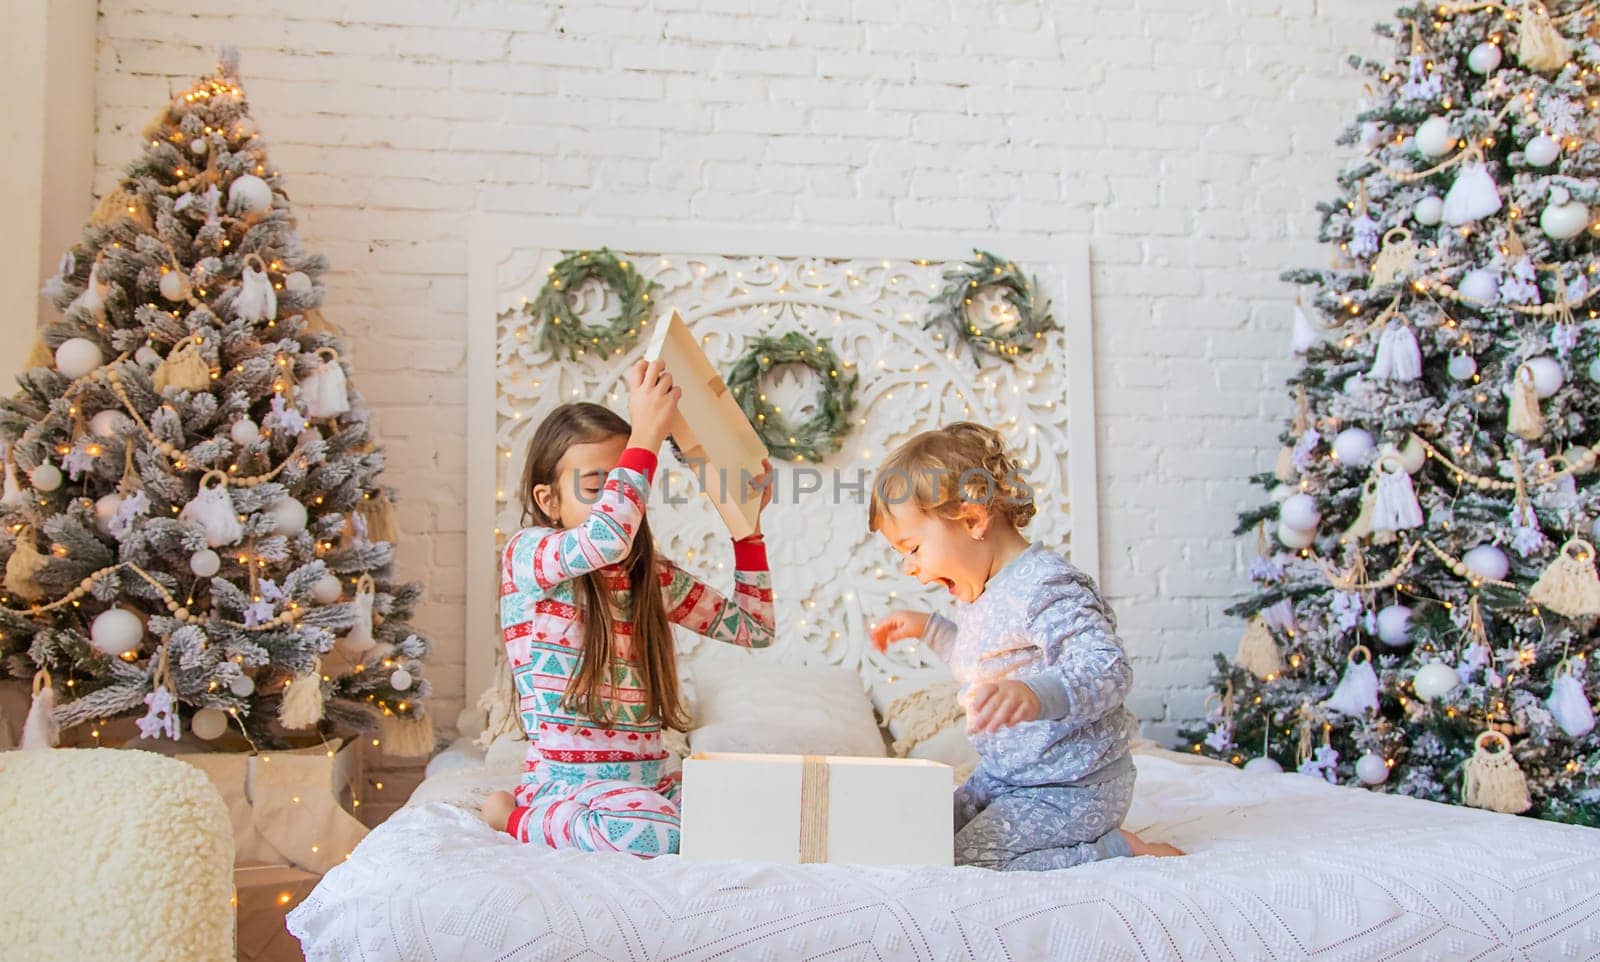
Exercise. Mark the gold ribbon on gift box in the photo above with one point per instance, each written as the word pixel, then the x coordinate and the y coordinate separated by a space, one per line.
pixel 813 809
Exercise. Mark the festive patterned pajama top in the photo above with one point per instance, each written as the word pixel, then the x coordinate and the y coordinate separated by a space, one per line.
pixel 544 639
pixel 1042 622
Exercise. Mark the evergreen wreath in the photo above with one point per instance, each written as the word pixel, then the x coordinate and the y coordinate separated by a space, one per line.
pixel 561 329
pixel 963 287
pixel 824 431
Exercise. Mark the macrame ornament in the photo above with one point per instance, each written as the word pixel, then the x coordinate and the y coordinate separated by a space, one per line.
pixel 302 701
pixel 1258 650
pixel 41 355
pixel 256 300
pixel 120 205
pixel 1492 779
pixel 213 510
pixel 1396 261
pixel 1540 46
pixel 1570 586
pixel 1304 334
pixel 1525 420
pixel 378 513
pixel 407 736
pixel 360 637
pixel 1398 358
pixel 23 567
pixel 1357 692
pixel 1396 507
pixel 41 729
pixel 1473 196
pixel 499 706
pixel 1568 703
pixel 323 393
pixel 93 298
pixel 317 324
pixel 1362 525
pixel 185 369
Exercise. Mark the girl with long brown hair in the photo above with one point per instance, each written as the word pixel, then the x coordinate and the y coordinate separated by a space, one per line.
pixel 586 608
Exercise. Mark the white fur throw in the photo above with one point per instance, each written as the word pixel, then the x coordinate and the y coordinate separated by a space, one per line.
pixel 112 854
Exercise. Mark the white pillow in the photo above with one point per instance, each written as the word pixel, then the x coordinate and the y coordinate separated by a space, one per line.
pixel 750 704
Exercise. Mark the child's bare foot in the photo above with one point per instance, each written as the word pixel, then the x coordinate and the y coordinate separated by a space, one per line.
pixel 1158 849
pixel 497 810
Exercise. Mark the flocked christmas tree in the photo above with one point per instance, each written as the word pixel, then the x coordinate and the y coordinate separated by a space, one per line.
pixel 194 530
pixel 1425 612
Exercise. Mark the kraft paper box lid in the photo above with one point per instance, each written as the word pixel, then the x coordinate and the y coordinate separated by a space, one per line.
pixel 714 437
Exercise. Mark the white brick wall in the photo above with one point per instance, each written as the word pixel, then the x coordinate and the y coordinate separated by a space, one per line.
pixel 1188 139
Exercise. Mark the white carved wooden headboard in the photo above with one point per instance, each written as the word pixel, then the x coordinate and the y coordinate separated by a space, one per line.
pixel 867 294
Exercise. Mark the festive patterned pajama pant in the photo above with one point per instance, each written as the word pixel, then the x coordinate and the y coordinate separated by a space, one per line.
pixel 1030 828
pixel 600 816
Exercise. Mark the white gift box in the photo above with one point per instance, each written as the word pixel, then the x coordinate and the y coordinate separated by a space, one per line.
pixel 817 808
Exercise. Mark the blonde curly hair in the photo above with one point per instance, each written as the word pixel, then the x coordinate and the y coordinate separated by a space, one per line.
pixel 960 463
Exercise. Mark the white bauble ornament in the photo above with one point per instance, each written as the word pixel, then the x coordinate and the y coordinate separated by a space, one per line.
pixel 116 631
pixel 1484 58
pixel 1295 539
pixel 1265 765
pixel 249 194
pixel 1594 370
pixel 1299 511
pixel 78 356
pixel 147 356
pixel 1481 285
pixel 1434 137
pixel 46 477
pixel 1353 446
pixel 1394 626
pixel 1462 367
pixel 205 563
pixel 175 285
pixel 105 511
pixel 1371 768
pixel 1429 210
pixel 326 590
pixel 1413 455
pixel 198 147
pixel 243 686
pixel 298 282
pixel 1434 681
pixel 1547 375
pixel 288 516
pixel 1541 151
pixel 400 680
pixel 208 723
pixel 107 423
pixel 1563 218
pixel 1487 562
pixel 244 431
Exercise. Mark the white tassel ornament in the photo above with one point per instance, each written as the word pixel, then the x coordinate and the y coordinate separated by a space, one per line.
pixel 1357 692
pixel 1398 358
pixel 360 637
pixel 1258 650
pixel 1304 335
pixel 1570 586
pixel 1568 703
pixel 41 730
pixel 213 510
pixel 323 392
pixel 1396 507
pixel 1493 780
pixel 302 703
pixel 1540 46
pixel 1472 197
pixel 1525 419
pixel 256 300
pixel 1362 525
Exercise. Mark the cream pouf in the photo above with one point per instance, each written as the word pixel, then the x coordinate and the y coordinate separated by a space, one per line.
pixel 110 854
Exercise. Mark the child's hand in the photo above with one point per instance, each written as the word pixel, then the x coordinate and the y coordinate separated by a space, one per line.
pixel 763 483
pixel 993 706
pixel 652 404
pixel 897 626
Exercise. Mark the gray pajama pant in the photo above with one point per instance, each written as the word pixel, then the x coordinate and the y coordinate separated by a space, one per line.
pixel 1027 828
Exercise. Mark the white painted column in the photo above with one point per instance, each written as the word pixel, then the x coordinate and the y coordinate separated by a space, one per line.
pixel 47 68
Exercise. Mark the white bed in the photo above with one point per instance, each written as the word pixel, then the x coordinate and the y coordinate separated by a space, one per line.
pixel 1281 867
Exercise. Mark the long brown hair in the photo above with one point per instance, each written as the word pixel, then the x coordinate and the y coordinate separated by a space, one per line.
pixel 584 423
